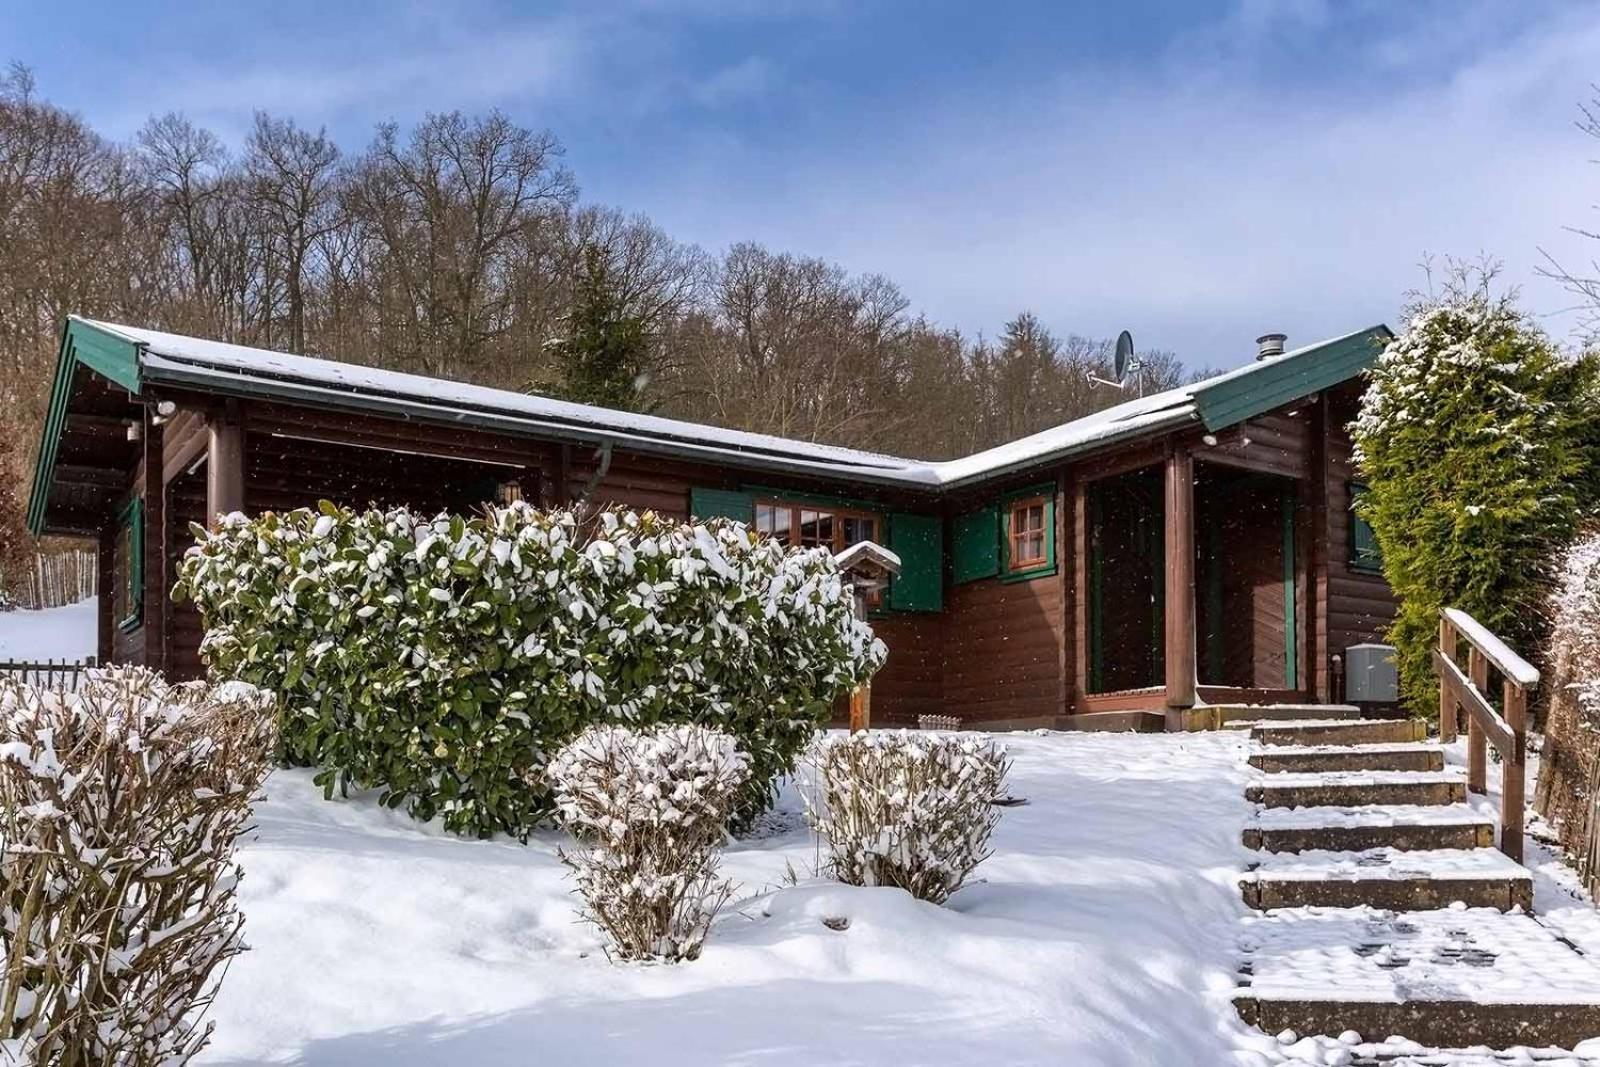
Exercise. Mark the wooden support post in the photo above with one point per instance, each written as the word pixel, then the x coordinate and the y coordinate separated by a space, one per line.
pixel 224 465
pixel 1477 747
pixel 1513 772
pixel 1179 542
pixel 1447 702
pixel 106 583
pixel 153 610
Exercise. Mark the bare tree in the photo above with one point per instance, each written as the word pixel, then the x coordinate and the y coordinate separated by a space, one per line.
pixel 291 175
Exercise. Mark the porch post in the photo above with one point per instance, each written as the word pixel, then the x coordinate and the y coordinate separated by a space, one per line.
pixel 1179 602
pixel 224 465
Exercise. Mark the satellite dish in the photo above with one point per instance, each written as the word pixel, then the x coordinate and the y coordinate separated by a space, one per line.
pixel 1124 358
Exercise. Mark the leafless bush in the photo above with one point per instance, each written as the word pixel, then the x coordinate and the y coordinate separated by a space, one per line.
pixel 648 810
pixel 1569 775
pixel 913 810
pixel 120 805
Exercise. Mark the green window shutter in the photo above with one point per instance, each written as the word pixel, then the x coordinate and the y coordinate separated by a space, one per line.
pixel 975 551
pixel 130 552
pixel 919 542
pixel 722 504
pixel 1365 556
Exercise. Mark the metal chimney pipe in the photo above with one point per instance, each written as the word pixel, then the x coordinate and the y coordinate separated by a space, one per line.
pixel 1269 345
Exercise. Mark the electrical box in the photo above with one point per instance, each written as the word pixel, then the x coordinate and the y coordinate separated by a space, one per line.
pixel 1370 676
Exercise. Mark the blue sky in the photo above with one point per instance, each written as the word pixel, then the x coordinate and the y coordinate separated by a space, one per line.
pixel 1198 173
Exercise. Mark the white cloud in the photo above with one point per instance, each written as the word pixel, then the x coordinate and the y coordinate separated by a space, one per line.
pixel 1196 207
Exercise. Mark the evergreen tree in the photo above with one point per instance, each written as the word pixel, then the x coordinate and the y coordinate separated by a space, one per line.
pixel 605 357
pixel 1476 438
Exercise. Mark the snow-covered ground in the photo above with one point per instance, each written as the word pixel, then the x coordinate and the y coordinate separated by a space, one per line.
pixel 1103 932
pixel 55 633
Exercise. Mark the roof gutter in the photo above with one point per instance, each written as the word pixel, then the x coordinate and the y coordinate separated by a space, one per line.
pixel 167 371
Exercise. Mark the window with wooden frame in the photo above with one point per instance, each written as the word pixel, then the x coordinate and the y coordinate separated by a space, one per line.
pixel 128 566
pixel 1027 534
pixel 818 525
pixel 1365 555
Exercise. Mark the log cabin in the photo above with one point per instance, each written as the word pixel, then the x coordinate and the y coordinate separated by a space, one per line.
pixel 1186 549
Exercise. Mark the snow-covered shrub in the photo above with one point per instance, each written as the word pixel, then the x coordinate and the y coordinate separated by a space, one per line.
pixel 444 659
pixel 120 806
pixel 648 810
pixel 1569 770
pixel 907 809
pixel 1475 438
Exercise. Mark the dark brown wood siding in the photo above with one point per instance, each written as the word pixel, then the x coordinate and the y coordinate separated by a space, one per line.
pixel 1002 650
pixel 1360 606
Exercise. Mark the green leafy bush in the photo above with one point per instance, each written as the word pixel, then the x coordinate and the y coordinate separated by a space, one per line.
pixel 1475 437
pixel 445 660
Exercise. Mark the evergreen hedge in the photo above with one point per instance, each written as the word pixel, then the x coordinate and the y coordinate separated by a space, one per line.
pixel 1476 438
pixel 445 660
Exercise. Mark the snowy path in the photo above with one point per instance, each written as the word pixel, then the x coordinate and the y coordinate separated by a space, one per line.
pixel 1103 933
pixel 67 633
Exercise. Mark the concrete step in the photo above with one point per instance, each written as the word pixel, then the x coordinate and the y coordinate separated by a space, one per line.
pixel 1357 828
pixel 1452 978
pixel 1244 716
pixel 1355 788
pixel 1389 878
pixel 1410 756
pixel 1339 732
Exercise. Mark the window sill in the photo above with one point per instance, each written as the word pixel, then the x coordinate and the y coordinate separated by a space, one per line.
pixel 131 623
pixel 1366 570
pixel 1044 570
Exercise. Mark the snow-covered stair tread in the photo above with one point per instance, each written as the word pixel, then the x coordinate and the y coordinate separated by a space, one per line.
pixel 1364 815
pixel 1389 755
pixel 1477 955
pixel 1455 977
pixel 1355 827
pixel 1390 863
pixel 1305 779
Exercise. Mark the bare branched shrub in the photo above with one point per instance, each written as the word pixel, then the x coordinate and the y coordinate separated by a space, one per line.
pixel 1569 775
pixel 913 810
pixel 120 806
pixel 648 810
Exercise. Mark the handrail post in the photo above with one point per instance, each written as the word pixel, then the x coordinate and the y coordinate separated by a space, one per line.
pixel 1447 701
pixel 1513 772
pixel 1477 754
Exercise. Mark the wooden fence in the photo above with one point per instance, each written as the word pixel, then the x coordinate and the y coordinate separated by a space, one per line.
pixel 56 579
pixel 54 673
pixel 1508 731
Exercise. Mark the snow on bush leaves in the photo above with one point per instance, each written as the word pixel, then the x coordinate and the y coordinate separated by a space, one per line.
pixel 443 660
pixel 907 809
pixel 648 810
pixel 120 806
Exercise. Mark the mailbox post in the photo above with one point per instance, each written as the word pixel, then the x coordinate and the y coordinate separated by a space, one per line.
pixel 868 567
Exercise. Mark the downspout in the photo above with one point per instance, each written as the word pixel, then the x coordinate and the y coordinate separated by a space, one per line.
pixel 603 453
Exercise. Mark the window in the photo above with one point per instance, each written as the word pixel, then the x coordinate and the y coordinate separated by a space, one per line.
pixel 1365 555
pixel 1027 535
pixel 128 566
pixel 816 525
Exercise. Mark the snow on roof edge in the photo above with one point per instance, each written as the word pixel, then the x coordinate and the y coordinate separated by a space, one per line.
pixel 177 352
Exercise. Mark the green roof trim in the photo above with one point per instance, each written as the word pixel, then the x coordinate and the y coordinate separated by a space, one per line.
pixel 109 355
pixel 1259 388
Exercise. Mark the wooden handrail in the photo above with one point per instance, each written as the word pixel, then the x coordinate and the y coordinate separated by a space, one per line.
pixel 1509 732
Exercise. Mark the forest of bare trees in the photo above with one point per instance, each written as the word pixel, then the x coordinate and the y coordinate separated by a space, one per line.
pixel 455 248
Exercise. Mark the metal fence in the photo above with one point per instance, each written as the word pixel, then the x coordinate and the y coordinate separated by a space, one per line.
pixel 53 673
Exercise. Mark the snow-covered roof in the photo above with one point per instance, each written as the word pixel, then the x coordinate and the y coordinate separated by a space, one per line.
pixel 229 368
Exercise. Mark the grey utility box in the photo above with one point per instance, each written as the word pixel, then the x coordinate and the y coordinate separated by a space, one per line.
pixel 1369 675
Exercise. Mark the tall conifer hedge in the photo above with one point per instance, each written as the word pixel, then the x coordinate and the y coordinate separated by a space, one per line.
pixel 1475 437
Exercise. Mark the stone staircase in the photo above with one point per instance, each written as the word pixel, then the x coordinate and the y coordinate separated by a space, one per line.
pixel 1383 906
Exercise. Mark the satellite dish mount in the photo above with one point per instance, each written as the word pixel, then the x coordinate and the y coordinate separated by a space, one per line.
pixel 1127 367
